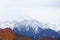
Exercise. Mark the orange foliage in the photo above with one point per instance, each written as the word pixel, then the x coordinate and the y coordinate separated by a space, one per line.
pixel 7 34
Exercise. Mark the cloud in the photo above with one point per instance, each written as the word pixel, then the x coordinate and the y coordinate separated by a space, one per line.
pixel 42 10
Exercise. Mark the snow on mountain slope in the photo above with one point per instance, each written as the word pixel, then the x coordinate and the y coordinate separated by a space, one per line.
pixel 35 29
pixel 35 25
pixel 26 24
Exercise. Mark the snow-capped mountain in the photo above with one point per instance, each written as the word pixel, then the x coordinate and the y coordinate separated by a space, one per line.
pixel 31 28
pixel 26 24
pixel 48 33
pixel 35 29
pixel 28 27
pixel 33 23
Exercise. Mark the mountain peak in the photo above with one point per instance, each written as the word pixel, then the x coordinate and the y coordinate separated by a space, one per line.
pixel 26 25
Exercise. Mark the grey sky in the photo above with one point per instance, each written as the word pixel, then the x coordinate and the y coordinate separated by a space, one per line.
pixel 43 10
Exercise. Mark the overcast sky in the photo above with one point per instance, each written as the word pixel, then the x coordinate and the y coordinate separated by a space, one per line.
pixel 42 10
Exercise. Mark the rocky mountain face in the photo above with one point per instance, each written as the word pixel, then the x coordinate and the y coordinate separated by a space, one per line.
pixel 34 29
pixel 7 34
pixel 59 32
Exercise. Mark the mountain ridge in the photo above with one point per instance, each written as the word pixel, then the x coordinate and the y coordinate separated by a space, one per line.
pixel 33 28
